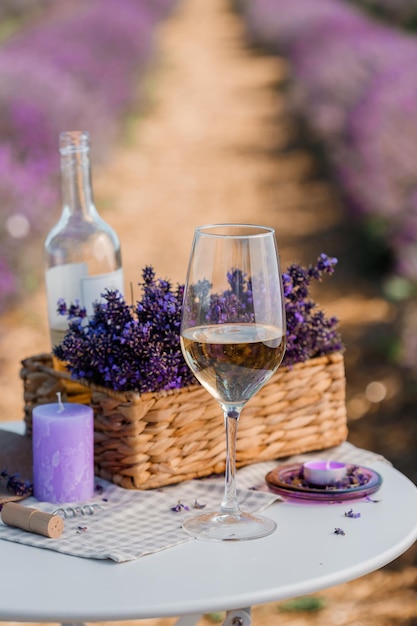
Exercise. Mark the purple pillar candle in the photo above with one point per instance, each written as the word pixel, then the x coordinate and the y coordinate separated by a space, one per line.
pixel 63 452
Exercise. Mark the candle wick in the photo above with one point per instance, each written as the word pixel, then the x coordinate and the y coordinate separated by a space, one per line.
pixel 328 465
pixel 61 406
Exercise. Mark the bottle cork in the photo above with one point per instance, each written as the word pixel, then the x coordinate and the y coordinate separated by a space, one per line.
pixel 32 520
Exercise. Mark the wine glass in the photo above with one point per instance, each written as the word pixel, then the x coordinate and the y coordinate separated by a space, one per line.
pixel 233 340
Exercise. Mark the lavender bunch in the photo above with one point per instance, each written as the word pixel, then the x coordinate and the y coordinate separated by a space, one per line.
pixel 309 332
pixel 138 347
pixel 125 347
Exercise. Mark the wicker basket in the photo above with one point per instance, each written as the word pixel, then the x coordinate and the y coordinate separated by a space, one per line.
pixel 155 439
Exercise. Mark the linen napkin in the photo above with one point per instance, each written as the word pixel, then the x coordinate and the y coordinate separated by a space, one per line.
pixel 128 524
pixel 123 524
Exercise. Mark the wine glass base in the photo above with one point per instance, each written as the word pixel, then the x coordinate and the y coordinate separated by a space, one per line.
pixel 217 526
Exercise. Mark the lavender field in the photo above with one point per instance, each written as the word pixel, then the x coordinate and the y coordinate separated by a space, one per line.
pixel 353 83
pixel 73 66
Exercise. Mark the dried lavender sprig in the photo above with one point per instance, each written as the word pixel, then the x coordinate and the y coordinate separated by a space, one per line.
pixel 138 347
pixel 309 332
pixel 129 348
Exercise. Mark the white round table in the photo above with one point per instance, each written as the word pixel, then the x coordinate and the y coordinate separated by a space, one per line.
pixel 304 555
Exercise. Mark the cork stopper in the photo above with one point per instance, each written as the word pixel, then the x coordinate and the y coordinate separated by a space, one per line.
pixel 32 520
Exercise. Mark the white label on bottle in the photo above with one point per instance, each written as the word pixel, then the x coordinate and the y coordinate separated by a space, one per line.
pixel 93 287
pixel 63 281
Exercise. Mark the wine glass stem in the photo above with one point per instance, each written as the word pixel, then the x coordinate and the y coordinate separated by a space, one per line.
pixel 230 504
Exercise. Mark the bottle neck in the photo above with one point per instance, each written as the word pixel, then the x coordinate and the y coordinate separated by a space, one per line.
pixel 77 193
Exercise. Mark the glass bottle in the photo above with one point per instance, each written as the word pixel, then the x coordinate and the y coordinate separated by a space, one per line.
pixel 82 252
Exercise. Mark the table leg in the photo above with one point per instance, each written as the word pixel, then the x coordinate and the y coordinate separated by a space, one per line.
pixel 238 617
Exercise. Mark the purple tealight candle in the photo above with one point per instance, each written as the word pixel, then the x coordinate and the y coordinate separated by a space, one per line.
pixel 63 452
pixel 324 473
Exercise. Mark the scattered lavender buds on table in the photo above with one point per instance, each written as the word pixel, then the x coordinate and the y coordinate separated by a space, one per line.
pixel 339 531
pixel 15 485
pixel 180 507
pixel 82 529
pixel 351 514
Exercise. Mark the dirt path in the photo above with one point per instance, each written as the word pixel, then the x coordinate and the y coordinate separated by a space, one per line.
pixel 217 144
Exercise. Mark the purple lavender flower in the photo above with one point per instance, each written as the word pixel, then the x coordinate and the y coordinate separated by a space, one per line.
pixel 351 514
pixel 309 332
pixel 124 347
pixel 138 347
pixel 179 507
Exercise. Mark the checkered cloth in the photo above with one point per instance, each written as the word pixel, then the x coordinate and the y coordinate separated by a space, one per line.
pixel 127 524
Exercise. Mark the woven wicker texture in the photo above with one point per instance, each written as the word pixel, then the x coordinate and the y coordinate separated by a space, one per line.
pixel 155 439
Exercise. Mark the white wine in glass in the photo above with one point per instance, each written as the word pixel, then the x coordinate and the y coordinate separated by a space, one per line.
pixel 233 340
